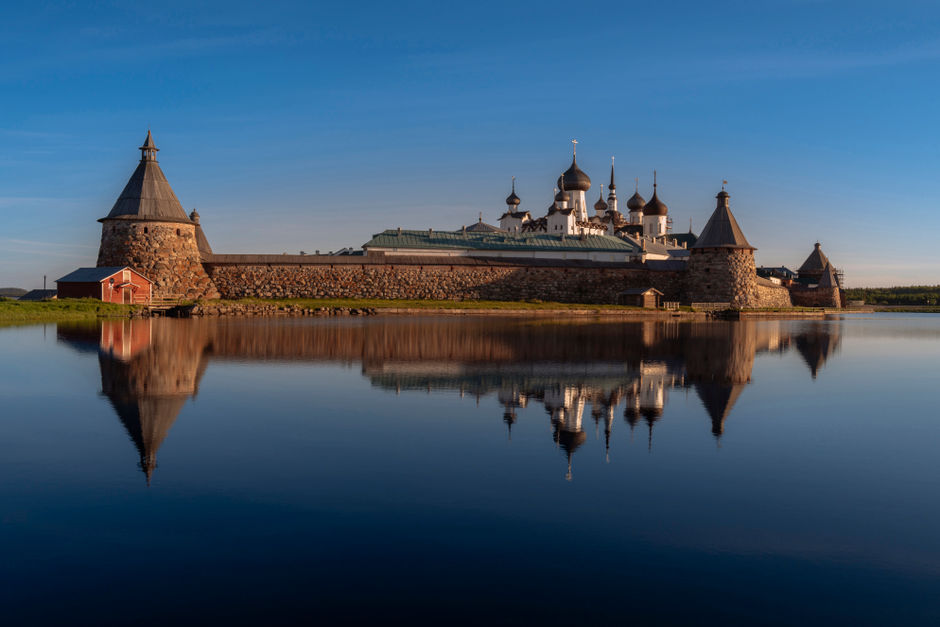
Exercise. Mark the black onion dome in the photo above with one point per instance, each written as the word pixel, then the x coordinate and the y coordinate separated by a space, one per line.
pixel 655 207
pixel 512 200
pixel 575 179
pixel 560 196
pixel 600 205
pixel 636 202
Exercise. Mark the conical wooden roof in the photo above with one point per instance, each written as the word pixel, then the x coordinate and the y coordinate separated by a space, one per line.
pixel 148 195
pixel 816 262
pixel 722 230
pixel 828 278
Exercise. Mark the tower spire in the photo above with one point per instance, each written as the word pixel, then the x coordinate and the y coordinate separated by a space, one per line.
pixel 612 185
pixel 148 152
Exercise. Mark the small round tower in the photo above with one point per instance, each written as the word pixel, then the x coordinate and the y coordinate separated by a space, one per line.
pixel 148 230
pixel 721 263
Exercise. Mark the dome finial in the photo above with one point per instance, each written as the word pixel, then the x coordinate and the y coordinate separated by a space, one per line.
pixel 574 150
pixel 723 183
pixel 512 200
pixel 612 185
pixel 654 181
pixel 636 187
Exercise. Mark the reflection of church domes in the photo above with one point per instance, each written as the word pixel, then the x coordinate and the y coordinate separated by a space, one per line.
pixel 570 441
pixel 651 413
pixel 632 415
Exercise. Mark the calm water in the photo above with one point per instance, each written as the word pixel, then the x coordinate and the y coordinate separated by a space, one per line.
pixel 470 470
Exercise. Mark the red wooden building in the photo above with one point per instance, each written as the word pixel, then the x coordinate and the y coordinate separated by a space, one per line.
pixel 112 284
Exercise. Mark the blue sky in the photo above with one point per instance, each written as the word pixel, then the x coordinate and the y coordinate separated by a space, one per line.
pixel 305 126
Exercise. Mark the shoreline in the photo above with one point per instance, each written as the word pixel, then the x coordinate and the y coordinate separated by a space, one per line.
pixel 19 312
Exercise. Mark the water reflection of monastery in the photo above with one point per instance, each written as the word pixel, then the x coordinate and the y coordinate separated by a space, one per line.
pixel 576 372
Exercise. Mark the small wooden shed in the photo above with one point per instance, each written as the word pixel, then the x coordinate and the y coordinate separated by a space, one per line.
pixel 647 297
pixel 112 284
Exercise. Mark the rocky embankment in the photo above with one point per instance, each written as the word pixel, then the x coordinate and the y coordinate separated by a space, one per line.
pixel 268 310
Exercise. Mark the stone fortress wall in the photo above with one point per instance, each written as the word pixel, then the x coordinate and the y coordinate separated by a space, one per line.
pixel 273 276
pixel 434 278
pixel 816 297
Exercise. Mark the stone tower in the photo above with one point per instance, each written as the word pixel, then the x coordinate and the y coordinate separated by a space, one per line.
pixel 721 263
pixel 148 230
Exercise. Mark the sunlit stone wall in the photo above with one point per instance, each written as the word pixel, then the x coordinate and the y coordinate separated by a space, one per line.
pixel 438 281
pixel 774 296
pixel 816 297
pixel 728 275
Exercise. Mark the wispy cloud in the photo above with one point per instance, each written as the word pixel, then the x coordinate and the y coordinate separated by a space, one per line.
pixel 146 51
pixel 36 243
pixel 809 63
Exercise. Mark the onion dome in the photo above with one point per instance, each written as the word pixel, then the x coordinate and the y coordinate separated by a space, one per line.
pixel 560 196
pixel 575 179
pixel 600 205
pixel 636 202
pixel 655 207
pixel 512 200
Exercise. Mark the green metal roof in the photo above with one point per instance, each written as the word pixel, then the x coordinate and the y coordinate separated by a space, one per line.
pixel 458 240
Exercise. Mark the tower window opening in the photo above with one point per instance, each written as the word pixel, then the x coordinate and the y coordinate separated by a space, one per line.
pixel 145 230
pixel 177 231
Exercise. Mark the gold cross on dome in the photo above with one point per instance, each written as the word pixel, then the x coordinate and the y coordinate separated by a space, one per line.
pixel 575 143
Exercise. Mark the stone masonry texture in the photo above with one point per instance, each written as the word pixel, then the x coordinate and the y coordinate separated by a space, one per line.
pixel 164 252
pixel 728 275
pixel 438 282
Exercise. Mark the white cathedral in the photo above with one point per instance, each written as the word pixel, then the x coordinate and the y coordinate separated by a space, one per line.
pixel 568 213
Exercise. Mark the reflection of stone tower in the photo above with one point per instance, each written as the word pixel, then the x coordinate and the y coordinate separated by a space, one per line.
pixel 719 361
pixel 149 387
pixel 148 230
pixel 721 263
pixel 817 343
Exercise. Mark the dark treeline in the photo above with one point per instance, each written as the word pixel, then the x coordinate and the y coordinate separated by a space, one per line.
pixel 910 295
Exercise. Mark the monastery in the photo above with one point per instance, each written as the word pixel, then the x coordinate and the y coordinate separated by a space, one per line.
pixel 565 255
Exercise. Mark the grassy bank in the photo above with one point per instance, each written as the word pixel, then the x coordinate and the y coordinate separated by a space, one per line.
pixel 16 312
